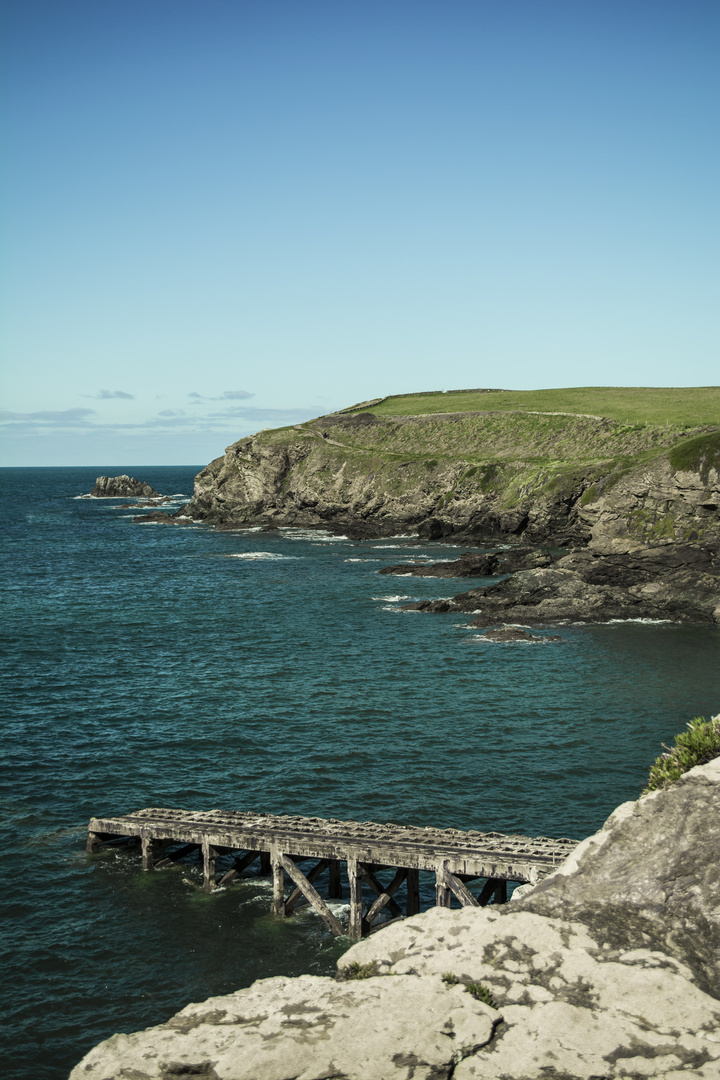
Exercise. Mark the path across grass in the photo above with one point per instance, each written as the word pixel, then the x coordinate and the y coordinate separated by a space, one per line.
pixel 682 406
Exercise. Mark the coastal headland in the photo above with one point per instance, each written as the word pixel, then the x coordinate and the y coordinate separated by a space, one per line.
pixel 616 491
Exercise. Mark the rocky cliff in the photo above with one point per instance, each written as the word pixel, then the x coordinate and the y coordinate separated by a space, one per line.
pixel 636 506
pixel 608 969
pixel 554 479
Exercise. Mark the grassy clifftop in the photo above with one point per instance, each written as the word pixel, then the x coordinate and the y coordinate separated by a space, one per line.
pixel 679 406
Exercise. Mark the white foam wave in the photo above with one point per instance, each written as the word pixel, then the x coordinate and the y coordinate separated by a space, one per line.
pixel 646 622
pixel 319 535
pixel 393 599
pixel 261 555
pixel 489 641
pixel 363 560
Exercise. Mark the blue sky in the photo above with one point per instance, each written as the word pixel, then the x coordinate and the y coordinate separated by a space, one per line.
pixel 224 215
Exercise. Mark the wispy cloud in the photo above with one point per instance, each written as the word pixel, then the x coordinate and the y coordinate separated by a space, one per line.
pixel 232 422
pixel 46 418
pixel 106 395
pixel 227 395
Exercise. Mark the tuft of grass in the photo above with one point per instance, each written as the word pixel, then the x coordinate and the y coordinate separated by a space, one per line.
pixel 697 745
pixel 357 971
pixel 475 989
pixel 481 993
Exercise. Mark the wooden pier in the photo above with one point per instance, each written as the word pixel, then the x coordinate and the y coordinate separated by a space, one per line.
pixel 281 842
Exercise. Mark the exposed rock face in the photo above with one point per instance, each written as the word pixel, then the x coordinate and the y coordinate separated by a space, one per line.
pixel 676 582
pixel 468 475
pixel 608 969
pixel 122 487
pixel 618 490
pixel 485 564
pixel 308 1027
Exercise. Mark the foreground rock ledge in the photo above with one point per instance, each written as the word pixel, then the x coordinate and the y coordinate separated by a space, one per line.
pixel 607 969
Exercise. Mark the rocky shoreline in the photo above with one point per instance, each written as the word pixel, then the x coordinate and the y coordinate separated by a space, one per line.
pixel 623 524
pixel 679 583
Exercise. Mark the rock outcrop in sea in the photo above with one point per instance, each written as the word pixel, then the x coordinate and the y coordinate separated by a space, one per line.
pixel 607 969
pixel 123 487
pixel 675 582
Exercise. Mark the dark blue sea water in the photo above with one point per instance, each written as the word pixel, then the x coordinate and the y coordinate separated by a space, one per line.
pixel 151 665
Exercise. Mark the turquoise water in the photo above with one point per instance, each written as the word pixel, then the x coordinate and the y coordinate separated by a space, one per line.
pixel 179 666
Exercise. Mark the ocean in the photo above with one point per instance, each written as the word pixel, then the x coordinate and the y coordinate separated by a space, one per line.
pixel 180 666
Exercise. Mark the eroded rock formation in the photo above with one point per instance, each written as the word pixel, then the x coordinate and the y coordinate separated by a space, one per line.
pixel 123 487
pixel 677 582
pixel 608 969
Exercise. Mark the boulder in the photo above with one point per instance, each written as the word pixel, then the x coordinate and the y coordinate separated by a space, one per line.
pixel 608 969
pixel 122 487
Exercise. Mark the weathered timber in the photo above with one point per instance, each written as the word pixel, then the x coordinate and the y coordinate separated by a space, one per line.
pixel 494 888
pixel 380 891
pixel 334 883
pixel 385 897
pixel 298 893
pixel 366 848
pixel 458 888
pixel 412 904
pixel 311 894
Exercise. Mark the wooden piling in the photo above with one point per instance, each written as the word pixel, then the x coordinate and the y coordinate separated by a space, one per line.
pixel 412 904
pixel 334 883
pixel 355 886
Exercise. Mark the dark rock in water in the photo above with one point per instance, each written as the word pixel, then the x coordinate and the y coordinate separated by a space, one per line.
pixel 483 564
pixel 141 504
pixel 679 583
pixel 434 529
pixel 123 487
pixel 468 565
pixel 514 633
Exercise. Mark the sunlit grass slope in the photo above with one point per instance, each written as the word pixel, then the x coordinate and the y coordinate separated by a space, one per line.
pixel 688 406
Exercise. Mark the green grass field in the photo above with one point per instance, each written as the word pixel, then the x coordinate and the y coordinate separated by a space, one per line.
pixel 687 406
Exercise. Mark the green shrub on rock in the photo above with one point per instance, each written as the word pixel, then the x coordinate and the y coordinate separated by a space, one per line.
pixel 696 746
pixel 357 971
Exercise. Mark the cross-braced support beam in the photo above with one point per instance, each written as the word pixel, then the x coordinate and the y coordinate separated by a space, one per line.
pixel 282 865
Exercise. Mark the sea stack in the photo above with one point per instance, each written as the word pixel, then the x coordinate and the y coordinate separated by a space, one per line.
pixel 123 487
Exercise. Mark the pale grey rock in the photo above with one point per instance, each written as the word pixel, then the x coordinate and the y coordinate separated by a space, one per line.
pixel 122 487
pixel 306 1028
